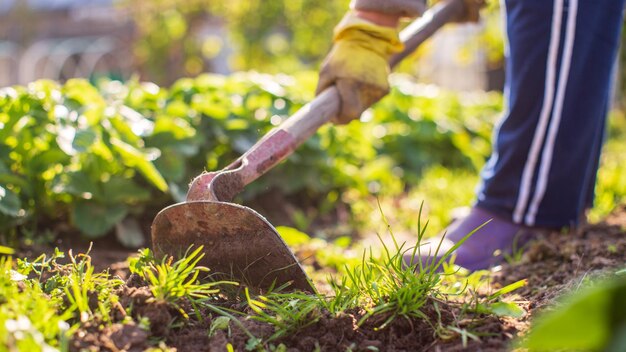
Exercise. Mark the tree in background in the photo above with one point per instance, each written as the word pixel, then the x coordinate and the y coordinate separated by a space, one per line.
pixel 270 36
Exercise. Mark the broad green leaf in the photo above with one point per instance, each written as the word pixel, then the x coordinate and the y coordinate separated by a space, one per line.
pixel 125 129
pixel 507 309
pixel 171 165
pixel 219 323
pixel 83 140
pixel 583 323
pixel 46 160
pixel 82 92
pixel 15 180
pixel 10 203
pixel 178 128
pixel 292 236
pixel 177 108
pixel 78 184
pixel 123 190
pixel 139 124
pixel 96 219
pixel 213 106
pixel 134 158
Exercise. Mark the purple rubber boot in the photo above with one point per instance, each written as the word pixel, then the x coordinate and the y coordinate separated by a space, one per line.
pixel 485 248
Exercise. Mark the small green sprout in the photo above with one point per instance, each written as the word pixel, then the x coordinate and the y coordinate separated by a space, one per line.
pixel 173 282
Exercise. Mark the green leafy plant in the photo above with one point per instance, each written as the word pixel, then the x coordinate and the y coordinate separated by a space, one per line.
pixel 100 156
pixel 65 152
pixel 590 319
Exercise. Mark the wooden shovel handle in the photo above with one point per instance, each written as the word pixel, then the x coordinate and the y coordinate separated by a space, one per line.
pixel 304 123
pixel 279 143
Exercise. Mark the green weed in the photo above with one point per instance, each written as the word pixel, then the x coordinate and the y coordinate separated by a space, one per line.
pixel 28 318
pixel 33 313
pixel 390 286
pixel 85 289
pixel 384 285
pixel 174 281
pixel 287 312
pixel 517 252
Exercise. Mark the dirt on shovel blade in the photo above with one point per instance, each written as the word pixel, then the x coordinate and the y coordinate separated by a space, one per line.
pixel 239 243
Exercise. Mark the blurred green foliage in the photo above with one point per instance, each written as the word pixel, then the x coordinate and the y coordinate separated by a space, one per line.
pixel 281 36
pixel 270 36
pixel 66 152
pixel 611 183
pixel 592 319
pixel 93 157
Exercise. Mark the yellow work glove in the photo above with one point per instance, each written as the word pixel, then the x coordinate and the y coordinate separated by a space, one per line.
pixel 358 65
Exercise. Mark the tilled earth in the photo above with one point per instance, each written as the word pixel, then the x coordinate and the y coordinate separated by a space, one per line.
pixel 553 265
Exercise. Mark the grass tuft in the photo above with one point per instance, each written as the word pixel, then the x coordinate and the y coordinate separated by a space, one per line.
pixel 176 281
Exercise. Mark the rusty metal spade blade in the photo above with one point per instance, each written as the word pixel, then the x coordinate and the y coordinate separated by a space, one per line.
pixel 239 243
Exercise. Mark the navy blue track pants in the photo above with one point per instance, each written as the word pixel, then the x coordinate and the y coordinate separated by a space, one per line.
pixel 560 58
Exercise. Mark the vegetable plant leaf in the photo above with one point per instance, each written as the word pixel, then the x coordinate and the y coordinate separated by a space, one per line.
pixel 83 140
pixel 171 165
pixel 78 184
pixel 135 158
pixel 96 219
pixel 123 190
pixel 9 202
pixel 582 323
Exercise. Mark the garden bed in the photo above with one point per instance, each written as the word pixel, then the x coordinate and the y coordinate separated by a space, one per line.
pixel 552 266
pixel 83 164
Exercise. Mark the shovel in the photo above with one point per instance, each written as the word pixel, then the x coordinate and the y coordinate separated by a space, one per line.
pixel 239 243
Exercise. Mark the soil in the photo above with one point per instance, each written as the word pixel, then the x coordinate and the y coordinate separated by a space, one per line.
pixel 553 264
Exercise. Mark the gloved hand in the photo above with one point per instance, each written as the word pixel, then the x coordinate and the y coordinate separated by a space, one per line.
pixel 358 64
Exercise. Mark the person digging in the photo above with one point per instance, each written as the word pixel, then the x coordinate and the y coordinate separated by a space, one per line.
pixel 542 170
